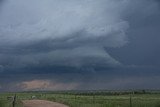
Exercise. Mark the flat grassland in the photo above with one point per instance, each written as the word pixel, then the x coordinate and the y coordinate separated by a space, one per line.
pixel 89 98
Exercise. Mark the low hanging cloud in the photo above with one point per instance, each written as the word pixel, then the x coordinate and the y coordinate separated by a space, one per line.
pixel 61 32
pixel 43 43
pixel 81 21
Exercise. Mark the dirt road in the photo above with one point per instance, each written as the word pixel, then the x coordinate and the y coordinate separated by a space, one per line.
pixel 41 103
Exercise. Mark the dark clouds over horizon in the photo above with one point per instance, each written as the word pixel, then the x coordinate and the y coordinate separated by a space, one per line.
pixel 87 44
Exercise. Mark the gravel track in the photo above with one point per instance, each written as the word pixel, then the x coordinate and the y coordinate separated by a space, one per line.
pixel 41 103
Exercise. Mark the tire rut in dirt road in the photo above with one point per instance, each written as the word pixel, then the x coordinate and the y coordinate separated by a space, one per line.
pixel 41 103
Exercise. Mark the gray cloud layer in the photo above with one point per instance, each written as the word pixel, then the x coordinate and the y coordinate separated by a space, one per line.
pixel 56 37
pixel 63 32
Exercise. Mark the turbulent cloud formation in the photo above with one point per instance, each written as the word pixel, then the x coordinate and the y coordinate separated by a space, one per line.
pixel 49 37
pixel 62 31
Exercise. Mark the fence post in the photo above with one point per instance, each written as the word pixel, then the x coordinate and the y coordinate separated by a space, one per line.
pixel 14 101
pixel 130 100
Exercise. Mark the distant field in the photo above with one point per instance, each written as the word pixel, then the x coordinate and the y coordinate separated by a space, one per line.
pixel 89 99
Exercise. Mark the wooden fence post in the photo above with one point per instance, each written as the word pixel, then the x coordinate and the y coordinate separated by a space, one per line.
pixel 14 101
pixel 130 100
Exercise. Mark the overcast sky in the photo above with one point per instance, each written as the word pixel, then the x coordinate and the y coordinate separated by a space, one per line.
pixel 79 44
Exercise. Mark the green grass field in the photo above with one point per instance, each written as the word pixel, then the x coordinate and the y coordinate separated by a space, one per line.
pixel 89 99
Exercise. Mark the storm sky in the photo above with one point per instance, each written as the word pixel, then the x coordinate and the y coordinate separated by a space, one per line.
pixel 79 44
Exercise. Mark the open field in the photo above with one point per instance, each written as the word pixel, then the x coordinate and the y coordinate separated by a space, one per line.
pixel 88 99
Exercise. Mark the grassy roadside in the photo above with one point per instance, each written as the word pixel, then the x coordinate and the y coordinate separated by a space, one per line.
pixel 19 103
pixel 4 102
pixel 87 99
pixel 107 101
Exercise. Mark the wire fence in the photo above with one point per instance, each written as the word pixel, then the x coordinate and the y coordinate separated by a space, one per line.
pixel 86 100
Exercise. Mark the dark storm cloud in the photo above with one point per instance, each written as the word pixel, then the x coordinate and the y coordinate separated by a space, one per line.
pixel 39 38
pixel 121 78
pixel 1 1
pixel 88 43
pixel 144 38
